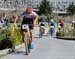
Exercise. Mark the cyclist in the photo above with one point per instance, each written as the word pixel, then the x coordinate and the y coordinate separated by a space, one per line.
pixel 61 24
pixel 51 24
pixel 42 23
pixel 29 18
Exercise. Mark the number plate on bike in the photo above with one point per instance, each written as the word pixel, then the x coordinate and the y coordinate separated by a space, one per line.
pixel 24 26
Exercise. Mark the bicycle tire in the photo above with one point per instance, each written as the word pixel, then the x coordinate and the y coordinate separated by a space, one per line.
pixel 41 33
pixel 26 46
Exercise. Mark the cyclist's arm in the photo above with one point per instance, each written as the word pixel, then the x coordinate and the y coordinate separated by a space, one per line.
pixel 17 17
pixel 36 19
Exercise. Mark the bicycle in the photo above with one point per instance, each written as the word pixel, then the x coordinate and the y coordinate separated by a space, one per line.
pixel 27 38
pixel 41 31
pixel 51 31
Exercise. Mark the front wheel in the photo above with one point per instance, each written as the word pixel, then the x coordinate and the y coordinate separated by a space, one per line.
pixel 41 32
pixel 40 35
pixel 51 31
pixel 26 46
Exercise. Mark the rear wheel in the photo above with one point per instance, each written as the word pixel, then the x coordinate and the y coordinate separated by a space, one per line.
pixel 41 32
pixel 40 35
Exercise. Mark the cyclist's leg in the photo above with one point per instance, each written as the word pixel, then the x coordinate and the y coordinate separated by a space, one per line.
pixel 43 28
pixel 31 34
pixel 31 29
pixel 62 28
pixel 26 37
pixel 39 29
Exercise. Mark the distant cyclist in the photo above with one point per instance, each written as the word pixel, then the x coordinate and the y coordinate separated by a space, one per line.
pixel 51 24
pixel 61 24
pixel 42 23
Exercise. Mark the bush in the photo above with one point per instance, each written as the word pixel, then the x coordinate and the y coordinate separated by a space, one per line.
pixel 5 43
pixel 10 37
pixel 60 34
pixel 14 35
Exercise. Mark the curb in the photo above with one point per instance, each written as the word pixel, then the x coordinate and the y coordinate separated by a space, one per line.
pixel 6 51
pixel 66 38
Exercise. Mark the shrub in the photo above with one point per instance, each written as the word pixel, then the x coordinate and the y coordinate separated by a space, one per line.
pixel 5 43
pixel 10 37
pixel 60 34
pixel 14 35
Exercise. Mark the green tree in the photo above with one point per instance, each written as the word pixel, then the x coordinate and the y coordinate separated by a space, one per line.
pixel 45 7
pixel 71 9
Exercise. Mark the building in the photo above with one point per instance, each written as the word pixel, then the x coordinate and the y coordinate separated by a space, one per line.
pixel 58 5
pixel 11 4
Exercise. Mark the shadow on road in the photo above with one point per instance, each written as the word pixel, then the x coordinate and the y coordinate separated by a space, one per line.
pixel 36 37
pixel 65 38
pixel 19 53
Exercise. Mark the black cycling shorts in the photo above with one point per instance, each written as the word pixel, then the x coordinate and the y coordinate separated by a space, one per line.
pixel 29 22
pixel 42 24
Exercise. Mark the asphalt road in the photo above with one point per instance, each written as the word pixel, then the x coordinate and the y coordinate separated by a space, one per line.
pixel 46 47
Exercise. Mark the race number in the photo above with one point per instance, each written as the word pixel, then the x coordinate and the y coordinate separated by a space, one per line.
pixel 24 26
